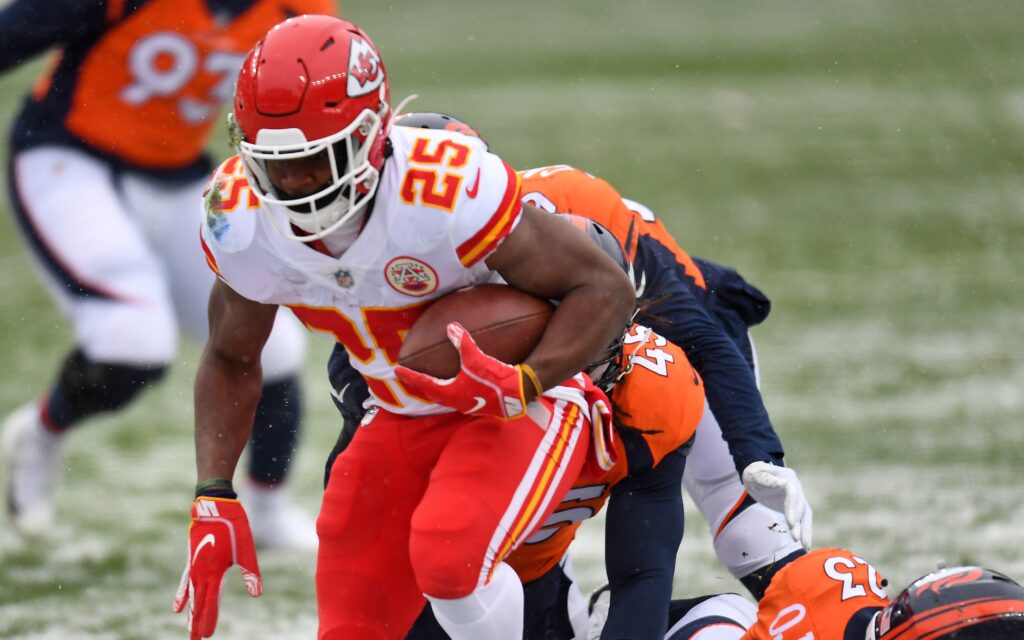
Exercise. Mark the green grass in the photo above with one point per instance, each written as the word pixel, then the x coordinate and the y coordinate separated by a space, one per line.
pixel 862 162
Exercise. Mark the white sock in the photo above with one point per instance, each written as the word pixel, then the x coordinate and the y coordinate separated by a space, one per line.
pixel 492 612
pixel 263 497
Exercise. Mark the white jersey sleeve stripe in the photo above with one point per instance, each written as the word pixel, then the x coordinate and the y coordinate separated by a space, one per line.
pixel 500 224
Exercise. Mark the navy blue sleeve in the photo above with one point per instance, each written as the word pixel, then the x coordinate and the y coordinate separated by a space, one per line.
pixel 643 529
pixel 348 388
pixel 348 391
pixel 29 27
pixel 679 316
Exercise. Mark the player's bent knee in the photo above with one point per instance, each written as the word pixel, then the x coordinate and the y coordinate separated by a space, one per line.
pixel 492 612
pixel 755 538
pixel 140 331
pixel 448 542
pixel 91 387
pixel 143 342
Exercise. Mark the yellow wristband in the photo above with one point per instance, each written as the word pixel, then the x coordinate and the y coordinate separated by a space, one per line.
pixel 531 375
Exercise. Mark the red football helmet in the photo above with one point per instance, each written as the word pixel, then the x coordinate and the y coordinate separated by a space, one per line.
pixel 314 85
pixel 961 603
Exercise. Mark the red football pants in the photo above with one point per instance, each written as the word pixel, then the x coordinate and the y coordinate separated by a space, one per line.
pixel 431 505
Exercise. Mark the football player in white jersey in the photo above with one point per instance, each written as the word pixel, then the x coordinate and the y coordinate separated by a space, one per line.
pixel 357 226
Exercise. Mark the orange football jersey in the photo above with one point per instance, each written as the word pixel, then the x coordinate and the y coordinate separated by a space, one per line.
pixel 816 596
pixel 148 88
pixel 565 189
pixel 662 395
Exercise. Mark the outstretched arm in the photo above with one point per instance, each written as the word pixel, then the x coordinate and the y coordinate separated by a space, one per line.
pixel 229 380
pixel 728 379
pixel 227 389
pixel 734 399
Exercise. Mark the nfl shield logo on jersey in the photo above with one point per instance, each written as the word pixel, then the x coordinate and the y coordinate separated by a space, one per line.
pixel 411 277
pixel 344 278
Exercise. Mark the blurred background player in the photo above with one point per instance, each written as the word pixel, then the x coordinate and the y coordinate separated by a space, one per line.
pixel 707 309
pixel 106 173
pixel 834 594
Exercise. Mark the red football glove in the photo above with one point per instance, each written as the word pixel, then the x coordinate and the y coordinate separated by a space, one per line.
pixel 484 386
pixel 218 538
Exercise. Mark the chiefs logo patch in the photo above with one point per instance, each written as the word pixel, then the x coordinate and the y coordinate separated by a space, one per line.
pixel 365 72
pixel 411 277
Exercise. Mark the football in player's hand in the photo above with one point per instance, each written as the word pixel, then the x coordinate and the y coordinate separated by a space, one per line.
pixel 505 322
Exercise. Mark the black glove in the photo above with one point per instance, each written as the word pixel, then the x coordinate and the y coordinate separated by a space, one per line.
pixel 348 391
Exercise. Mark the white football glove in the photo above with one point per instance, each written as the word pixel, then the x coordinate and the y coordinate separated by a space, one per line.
pixel 780 490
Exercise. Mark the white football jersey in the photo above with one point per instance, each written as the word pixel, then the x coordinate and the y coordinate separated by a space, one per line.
pixel 443 205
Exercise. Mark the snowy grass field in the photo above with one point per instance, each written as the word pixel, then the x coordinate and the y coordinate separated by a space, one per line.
pixel 862 162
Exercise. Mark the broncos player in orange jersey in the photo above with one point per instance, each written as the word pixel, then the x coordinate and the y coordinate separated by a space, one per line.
pixel 832 594
pixel 735 475
pixel 106 173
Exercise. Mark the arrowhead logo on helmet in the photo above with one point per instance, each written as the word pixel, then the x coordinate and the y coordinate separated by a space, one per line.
pixel 364 69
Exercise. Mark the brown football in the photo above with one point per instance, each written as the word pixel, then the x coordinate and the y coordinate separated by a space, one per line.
pixel 506 324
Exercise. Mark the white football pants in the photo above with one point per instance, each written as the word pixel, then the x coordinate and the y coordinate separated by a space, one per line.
pixel 136 240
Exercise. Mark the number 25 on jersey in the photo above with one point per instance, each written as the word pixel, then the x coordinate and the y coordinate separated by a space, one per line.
pixel 425 182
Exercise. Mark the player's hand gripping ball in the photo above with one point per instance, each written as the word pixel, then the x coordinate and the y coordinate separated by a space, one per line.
pixel 474 369
pixel 504 322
